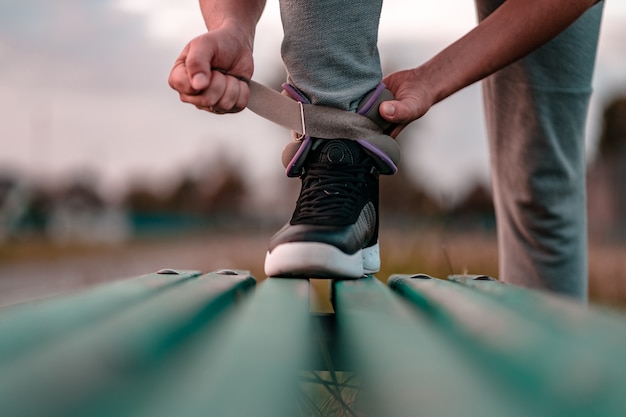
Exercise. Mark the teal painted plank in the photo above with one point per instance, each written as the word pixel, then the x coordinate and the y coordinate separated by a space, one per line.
pixel 72 371
pixel 602 328
pixel 247 365
pixel 567 377
pixel 408 368
pixel 30 326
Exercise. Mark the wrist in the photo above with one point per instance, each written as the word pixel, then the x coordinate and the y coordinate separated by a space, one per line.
pixel 238 17
pixel 431 83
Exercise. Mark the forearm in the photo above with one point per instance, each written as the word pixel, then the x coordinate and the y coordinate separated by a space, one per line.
pixel 242 14
pixel 513 30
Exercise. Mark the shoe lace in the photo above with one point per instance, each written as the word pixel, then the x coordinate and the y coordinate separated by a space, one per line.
pixel 332 194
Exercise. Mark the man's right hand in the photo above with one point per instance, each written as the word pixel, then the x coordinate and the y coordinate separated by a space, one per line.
pixel 211 70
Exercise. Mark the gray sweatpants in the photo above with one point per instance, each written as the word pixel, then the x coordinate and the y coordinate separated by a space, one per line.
pixel 536 112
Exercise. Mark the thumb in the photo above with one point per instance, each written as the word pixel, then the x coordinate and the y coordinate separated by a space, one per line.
pixel 198 63
pixel 402 111
pixel 393 111
pixel 387 109
pixel 199 81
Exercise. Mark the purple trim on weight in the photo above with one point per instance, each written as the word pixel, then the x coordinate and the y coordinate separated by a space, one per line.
pixel 370 102
pixel 378 153
pixel 304 145
pixel 370 146
pixel 295 94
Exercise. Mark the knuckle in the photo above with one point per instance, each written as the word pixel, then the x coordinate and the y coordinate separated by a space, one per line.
pixel 195 100
pixel 184 98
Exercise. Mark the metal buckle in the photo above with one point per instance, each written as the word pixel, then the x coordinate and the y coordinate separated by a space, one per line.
pixel 302 135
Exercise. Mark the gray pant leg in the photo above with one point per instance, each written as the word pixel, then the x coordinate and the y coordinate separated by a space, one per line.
pixel 536 112
pixel 330 49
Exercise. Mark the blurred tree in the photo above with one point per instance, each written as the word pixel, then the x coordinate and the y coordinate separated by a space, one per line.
pixel 36 204
pixel 475 210
pixel 217 189
pixel 402 200
pixel 185 198
pixel 230 194
pixel 140 198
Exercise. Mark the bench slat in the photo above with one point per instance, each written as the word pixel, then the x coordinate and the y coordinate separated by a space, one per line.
pixel 30 326
pixel 246 366
pixel 74 369
pixel 408 367
pixel 220 344
pixel 564 375
pixel 603 328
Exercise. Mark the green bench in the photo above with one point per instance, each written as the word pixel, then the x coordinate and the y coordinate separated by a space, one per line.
pixel 180 343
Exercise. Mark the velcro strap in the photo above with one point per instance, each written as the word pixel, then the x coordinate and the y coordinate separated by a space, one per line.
pixel 328 123
pixel 331 123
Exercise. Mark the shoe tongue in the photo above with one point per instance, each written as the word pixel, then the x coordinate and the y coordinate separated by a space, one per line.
pixel 338 152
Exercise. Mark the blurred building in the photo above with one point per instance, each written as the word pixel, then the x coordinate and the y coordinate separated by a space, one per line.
pixel 79 215
pixel 74 214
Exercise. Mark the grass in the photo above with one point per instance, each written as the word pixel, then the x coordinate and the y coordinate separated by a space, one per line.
pixel 431 251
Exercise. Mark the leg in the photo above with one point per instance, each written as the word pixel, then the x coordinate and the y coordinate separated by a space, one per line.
pixel 331 57
pixel 330 49
pixel 536 112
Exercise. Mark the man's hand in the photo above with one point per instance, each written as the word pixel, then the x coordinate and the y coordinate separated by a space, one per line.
pixel 513 30
pixel 413 98
pixel 211 70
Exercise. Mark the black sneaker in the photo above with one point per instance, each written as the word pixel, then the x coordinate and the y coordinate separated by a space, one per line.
pixel 334 229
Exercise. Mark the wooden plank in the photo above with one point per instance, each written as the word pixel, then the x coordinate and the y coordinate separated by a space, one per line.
pixel 71 371
pixel 604 328
pixel 408 367
pixel 565 376
pixel 247 365
pixel 31 326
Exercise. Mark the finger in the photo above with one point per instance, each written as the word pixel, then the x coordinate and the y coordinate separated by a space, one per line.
pixel 240 103
pixel 210 96
pixel 209 109
pixel 235 97
pixel 178 78
pixel 216 88
pixel 198 63
pixel 230 95
pixel 244 96
pixel 200 101
pixel 179 81
pixel 194 99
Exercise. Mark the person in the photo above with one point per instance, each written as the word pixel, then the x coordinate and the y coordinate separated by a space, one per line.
pixel 536 60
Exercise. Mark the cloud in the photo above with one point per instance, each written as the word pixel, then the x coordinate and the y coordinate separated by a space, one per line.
pixel 167 19
pixel 84 83
pixel 88 45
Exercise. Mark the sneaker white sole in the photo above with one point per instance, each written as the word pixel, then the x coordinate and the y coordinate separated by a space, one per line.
pixel 319 260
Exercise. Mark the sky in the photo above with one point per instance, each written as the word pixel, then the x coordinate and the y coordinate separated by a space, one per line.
pixel 83 87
